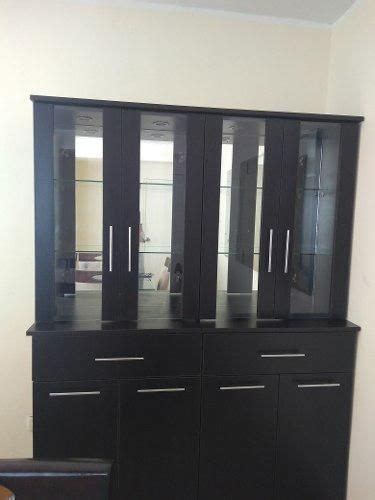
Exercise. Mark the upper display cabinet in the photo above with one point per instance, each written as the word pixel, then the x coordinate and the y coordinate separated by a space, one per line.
pixel 147 211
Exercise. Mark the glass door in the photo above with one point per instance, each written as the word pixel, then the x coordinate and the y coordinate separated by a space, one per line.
pixel 307 234
pixel 85 194
pixel 241 190
pixel 162 215
pixel 240 217
pixel 78 209
pixel 163 178
pixel 126 206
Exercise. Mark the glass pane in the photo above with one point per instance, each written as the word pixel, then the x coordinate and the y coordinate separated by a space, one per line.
pixel 78 180
pixel 241 183
pixel 314 219
pixel 162 215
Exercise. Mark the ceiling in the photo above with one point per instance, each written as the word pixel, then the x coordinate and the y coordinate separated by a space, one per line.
pixel 318 11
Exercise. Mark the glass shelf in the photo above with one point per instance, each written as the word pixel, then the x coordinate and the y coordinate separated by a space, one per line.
pixel 148 248
pixel 238 187
pixel 81 250
pixel 156 184
pixel 223 252
pixel 167 252
pixel 325 190
pixel 79 180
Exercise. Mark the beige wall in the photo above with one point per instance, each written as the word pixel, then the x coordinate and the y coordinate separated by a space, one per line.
pixel 352 90
pixel 85 50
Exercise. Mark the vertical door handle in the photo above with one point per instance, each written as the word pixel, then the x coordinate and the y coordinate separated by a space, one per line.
pixel 110 264
pixel 129 249
pixel 270 244
pixel 287 241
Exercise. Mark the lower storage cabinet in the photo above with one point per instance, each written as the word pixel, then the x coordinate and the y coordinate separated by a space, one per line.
pixel 75 420
pixel 313 436
pixel 238 439
pixel 159 439
pixel 266 437
pixel 213 436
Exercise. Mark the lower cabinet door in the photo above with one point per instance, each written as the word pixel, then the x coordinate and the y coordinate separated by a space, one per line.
pixel 313 436
pixel 75 419
pixel 238 441
pixel 159 439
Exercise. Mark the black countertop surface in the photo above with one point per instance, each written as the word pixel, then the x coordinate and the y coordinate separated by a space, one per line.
pixel 167 326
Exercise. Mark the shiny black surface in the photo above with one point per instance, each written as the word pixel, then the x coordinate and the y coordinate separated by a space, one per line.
pixel 170 326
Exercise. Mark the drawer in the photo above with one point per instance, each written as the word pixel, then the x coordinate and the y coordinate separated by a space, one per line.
pixel 95 357
pixel 241 354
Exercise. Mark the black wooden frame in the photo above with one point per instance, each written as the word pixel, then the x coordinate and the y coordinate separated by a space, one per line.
pixel 121 146
pixel 111 282
pixel 44 213
pixel 288 184
pixel 195 152
pixel 273 152
pixel 196 109
pixel 210 225
pixel 342 250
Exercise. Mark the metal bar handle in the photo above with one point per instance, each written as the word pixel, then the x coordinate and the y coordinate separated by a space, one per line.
pixel 312 386
pixel 241 387
pixel 110 264
pixel 168 389
pixel 270 245
pixel 127 358
pixel 129 249
pixel 285 355
pixel 286 264
pixel 75 393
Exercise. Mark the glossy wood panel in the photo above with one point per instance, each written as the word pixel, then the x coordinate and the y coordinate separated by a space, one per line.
pixel 159 439
pixel 313 436
pixel 238 438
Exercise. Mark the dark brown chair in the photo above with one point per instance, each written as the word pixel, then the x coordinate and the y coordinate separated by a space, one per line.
pixel 29 479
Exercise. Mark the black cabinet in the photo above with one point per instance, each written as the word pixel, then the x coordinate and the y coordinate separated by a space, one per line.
pixel 146 211
pixel 75 419
pixel 314 422
pixel 192 270
pixel 255 414
pixel 159 439
pixel 238 440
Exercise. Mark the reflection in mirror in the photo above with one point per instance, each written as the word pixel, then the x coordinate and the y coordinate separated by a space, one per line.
pixel 162 214
pixel 78 188
pixel 241 183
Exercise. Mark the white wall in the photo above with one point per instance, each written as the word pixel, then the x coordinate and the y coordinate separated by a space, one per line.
pixel 352 90
pixel 79 49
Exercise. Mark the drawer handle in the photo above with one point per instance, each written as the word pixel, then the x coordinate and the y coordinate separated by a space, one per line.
pixel 286 355
pixel 241 387
pixel 134 358
pixel 76 393
pixel 311 386
pixel 168 389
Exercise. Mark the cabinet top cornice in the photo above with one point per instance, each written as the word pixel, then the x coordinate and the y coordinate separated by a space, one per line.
pixel 193 109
